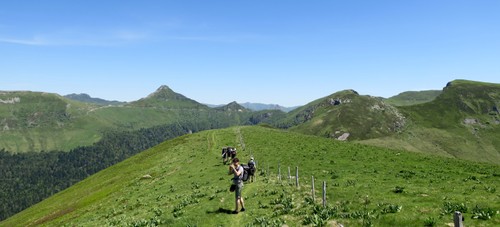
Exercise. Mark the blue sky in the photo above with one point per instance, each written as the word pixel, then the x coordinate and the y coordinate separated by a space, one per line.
pixel 269 51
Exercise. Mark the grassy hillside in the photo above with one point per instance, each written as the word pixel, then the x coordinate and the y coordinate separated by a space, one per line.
pixel 189 186
pixel 345 115
pixel 42 121
pixel 35 121
pixel 409 98
pixel 86 98
pixel 463 122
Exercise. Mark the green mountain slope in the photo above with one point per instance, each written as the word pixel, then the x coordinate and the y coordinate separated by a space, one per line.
pixel 35 121
pixel 463 122
pixel 166 98
pixel 86 98
pixel 345 115
pixel 41 121
pixel 182 182
pixel 261 106
pixel 409 98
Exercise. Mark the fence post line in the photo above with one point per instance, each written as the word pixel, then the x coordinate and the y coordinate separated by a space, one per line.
pixel 297 176
pixel 312 191
pixel 324 193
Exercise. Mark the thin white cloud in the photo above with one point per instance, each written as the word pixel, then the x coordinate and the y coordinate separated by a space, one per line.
pixel 31 42
pixel 222 38
pixel 80 38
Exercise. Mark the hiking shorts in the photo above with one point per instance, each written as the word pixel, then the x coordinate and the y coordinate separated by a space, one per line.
pixel 237 191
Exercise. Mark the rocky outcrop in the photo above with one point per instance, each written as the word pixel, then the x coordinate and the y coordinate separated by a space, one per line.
pixel 344 136
pixel 470 121
pixel 11 100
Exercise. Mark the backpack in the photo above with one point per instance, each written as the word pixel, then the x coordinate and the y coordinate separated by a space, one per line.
pixel 246 172
pixel 224 153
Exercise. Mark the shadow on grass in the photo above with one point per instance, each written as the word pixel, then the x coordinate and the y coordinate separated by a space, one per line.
pixel 220 211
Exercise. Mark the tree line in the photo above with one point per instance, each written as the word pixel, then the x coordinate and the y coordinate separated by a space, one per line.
pixel 28 178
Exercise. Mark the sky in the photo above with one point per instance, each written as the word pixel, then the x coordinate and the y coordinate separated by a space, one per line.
pixel 285 52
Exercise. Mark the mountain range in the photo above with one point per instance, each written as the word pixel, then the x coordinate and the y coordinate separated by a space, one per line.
pixel 461 122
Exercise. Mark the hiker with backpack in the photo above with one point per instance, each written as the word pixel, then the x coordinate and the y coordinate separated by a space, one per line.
pixel 237 170
pixel 251 169
pixel 225 155
pixel 232 151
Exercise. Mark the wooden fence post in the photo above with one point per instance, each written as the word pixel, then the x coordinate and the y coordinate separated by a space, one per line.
pixel 289 176
pixel 255 174
pixel 312 191
pixel 324 193
pixel 279 172
pixel 458 219
pixel 297 176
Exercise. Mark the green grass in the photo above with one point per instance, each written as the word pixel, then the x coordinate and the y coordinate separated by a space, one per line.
pixel 40 121
pixel 438 126
pixel 412 98
pixel 363 117
pixel 189 186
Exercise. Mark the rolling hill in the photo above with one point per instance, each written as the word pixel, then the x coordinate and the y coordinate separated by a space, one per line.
pixel 260 106
pixel 44 121
pixel 365 186
pixel 36 121
pixel 462 122
pixel 409 98
pixel 86 98
pixel 345 115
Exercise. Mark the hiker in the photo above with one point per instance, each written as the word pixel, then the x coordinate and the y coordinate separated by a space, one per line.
pixel 252 167
pixel 236 169
pixel 232 151
pixel 225 155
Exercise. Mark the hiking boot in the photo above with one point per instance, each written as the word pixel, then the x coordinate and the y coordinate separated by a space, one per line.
pixel 242 209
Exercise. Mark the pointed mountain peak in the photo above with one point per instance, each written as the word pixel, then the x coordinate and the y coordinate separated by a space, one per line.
pixel 165 93
pixel 163 88
pixel 165 97
pixel 233 106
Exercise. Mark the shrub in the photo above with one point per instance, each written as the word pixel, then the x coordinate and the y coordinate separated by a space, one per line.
pixel 449 207
pixel 430 222
pixel 285 202
pixel 490 189
pixel 405 174
pixel 313 220
pixel 350 183
pixel 483 213
pixel 398 189
pixel 389 208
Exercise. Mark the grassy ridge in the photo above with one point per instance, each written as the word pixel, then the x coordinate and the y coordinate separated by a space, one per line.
pixel 189 186
pixel 32 121
pixel 463 122
pixel 363 117
pixel 409 98
pixel 35 121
